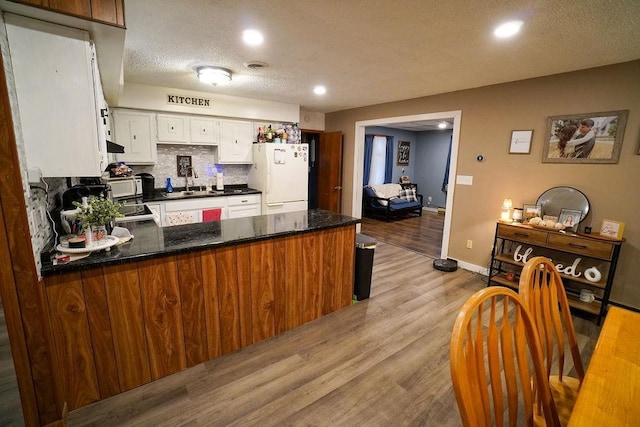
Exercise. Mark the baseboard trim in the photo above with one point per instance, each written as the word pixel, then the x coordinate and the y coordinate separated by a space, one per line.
pixel 429 209
pixel 473 268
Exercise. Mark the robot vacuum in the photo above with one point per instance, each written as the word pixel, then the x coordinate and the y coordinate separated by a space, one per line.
pixel 447 265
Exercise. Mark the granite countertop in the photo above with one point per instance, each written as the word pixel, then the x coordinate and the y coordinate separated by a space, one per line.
pixel 151 241
pixel 200 192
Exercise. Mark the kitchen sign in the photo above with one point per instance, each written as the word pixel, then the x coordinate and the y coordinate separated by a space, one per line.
pixel 191 101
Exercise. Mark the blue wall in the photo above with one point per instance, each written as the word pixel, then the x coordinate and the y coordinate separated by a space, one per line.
pixel 431 156
pixel 427 160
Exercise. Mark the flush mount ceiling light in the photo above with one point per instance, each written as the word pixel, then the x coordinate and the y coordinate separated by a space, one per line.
pixel 252 37
pixel 508 29
pixel 214 75
pixel 442 125
pixel 319 90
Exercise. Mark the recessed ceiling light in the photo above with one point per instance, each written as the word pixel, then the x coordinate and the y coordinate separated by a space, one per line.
pixel 214 75
pixel 508 29
pixel 252 37
pixel 442 125
pixel 319 90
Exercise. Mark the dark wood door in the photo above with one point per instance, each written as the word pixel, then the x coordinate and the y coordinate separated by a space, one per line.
pixel 330 171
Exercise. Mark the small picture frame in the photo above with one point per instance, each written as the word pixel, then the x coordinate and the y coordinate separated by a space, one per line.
pixel 570 218
pixel 184 165
pixel 404 179
pixel 531 211
pixel 520 142
pixel 612 229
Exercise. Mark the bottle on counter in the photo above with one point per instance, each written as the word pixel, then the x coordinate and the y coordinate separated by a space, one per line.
pixel 169 187
pixel 260 135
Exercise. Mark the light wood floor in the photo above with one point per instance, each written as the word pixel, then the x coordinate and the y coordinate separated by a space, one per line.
pixel 422 234
pixel 381 362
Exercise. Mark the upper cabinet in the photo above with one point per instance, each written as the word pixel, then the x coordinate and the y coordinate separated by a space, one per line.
pixel 107 11
pixel 135 130
pixel 174 129
pixel 236 140
pixel 58 99
pixel 205 131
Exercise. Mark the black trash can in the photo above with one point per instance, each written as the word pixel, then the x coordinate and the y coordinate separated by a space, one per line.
pixel 365 247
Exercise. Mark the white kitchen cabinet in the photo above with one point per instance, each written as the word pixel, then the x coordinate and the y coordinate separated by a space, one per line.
pixel 243 206
pixel 135 131
pixel 173 129
pixel 204 131
pixel 54 73
pixel 236 140
pixel 188 211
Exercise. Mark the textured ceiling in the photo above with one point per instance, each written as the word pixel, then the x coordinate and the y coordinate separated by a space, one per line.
pixel 371 51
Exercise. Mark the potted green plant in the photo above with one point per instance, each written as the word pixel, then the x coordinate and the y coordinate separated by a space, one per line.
pixel 97 216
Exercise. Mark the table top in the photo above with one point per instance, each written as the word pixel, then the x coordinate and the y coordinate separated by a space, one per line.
pixel 610 393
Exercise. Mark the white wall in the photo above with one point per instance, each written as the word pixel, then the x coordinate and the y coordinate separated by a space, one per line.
pixel 155 98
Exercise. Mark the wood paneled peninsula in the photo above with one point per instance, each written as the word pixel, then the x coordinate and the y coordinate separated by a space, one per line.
pixel 174 297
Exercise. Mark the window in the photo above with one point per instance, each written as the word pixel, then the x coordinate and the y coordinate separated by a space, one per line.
pixel 378 159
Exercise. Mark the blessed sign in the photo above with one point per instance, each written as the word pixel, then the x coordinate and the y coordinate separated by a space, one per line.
pixel 191 101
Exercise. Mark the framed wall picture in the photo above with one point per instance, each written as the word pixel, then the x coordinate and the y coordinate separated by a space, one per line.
pixel 612 229
pixel 520 142
pixel 184 164
pixel 584 138
pixel 570 218
pixel 404 148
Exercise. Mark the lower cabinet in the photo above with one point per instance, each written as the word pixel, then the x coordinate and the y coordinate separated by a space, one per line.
pixel 189 211
pixel 585 262
pixel 120 326
pixel 243 206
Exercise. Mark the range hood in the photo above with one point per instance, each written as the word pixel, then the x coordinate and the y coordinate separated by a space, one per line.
pixel 112 147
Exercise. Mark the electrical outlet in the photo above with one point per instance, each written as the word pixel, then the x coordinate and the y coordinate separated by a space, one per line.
pixel 429 199
pixel 469 244
pixel 34 175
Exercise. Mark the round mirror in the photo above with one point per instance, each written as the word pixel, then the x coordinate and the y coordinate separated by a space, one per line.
pixel 557 198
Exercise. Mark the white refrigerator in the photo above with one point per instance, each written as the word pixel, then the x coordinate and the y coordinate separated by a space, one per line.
pixel 281 173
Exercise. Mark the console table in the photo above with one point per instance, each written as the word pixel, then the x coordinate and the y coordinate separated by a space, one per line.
pixel 576 256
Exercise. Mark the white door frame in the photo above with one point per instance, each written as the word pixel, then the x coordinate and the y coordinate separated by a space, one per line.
pixel 358 163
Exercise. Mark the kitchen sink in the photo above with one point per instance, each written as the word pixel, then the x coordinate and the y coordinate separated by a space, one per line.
pixel 192 193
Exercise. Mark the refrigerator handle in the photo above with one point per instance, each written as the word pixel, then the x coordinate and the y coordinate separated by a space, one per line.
pixel 268 171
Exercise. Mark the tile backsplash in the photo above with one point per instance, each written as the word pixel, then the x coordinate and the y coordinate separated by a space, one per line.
pixel 203 160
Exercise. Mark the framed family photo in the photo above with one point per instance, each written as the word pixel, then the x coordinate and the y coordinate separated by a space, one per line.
pixel 403 152
pixel 570 218
pixel 584 138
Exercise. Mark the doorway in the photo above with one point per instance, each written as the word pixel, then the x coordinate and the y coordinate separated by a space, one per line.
pixel 358 159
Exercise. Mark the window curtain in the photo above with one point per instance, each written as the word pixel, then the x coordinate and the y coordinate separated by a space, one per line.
pixel 445 181
pixel 388 164
pixel 368 150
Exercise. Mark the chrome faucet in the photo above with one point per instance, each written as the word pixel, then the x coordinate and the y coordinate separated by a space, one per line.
pixel 190 171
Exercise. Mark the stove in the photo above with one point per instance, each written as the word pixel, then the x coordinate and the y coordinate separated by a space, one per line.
pixel 135 212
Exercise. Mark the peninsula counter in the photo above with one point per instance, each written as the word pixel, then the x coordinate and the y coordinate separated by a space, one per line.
pixel 174 297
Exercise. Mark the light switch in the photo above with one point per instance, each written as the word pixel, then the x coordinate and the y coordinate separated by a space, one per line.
pixel 464 179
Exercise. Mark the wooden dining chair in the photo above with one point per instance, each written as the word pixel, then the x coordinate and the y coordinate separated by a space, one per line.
pixel 542 289
pixel 494 352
